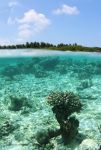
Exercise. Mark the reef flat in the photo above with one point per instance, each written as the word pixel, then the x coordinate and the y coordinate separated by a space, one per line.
pixel 25 84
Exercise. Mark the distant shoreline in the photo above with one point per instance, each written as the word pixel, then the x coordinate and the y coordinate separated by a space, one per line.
pixel 48 46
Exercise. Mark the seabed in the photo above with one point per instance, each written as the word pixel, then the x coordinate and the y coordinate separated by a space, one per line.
pixel 25 83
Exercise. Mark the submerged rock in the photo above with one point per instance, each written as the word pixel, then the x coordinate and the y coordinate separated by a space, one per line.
pixel 43 136
pixel 49 64
pixel 40 74
pixel 6 128
pixel 88 144
pixel 10 72
pixel 18 103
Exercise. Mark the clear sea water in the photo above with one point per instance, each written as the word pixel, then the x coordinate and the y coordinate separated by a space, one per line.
pixel 31 75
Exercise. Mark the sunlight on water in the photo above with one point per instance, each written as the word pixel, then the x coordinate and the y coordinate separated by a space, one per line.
pixel 26 79
pixel 38 52
pixel 27 53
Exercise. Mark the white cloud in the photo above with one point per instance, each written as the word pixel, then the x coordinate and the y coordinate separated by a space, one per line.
pixel 24 26
pixel 66 9
pixel 24 31
pixel 32 22
pixel 13 4
pixel 11 21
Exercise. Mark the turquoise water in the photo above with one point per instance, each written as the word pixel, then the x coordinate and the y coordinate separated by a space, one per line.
pixel 31 75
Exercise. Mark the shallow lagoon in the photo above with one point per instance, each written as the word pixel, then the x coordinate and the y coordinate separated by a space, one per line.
pixel 32 75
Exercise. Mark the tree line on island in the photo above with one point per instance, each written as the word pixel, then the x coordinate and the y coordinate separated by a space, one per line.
pixel 61 46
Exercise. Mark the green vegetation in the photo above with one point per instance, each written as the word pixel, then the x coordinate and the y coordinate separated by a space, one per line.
pixel 61 46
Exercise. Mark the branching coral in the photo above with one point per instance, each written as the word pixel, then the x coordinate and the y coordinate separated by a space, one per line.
pixel 69 129
pixel 63 105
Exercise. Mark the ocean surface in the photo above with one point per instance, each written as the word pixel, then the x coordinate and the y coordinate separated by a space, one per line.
pixel 27 77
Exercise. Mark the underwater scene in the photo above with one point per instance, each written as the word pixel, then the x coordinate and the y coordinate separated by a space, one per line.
pixel 50 100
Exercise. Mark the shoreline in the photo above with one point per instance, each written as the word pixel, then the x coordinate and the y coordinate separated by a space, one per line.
pixel 60 47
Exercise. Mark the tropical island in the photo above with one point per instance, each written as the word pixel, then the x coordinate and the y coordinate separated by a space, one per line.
pixel 44 45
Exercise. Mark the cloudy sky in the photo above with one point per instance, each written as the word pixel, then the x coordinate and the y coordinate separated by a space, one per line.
pixel 54 21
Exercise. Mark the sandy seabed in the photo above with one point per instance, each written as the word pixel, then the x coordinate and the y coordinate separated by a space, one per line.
pixel 33 78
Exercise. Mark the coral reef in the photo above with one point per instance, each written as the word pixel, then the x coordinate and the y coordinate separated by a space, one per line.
pixel 40 74
pixel 69 129
pixel 18 103
pixel 63 105
pixel 29 67
pixel 43 136
pixel 10 72
pixel 84 84
pixel 6 128
pixel 49 63
pixel 34 82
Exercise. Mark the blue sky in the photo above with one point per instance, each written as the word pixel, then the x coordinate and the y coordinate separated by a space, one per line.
pixel 53 21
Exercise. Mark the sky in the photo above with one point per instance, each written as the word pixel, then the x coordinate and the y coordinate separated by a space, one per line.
pixel 53 21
